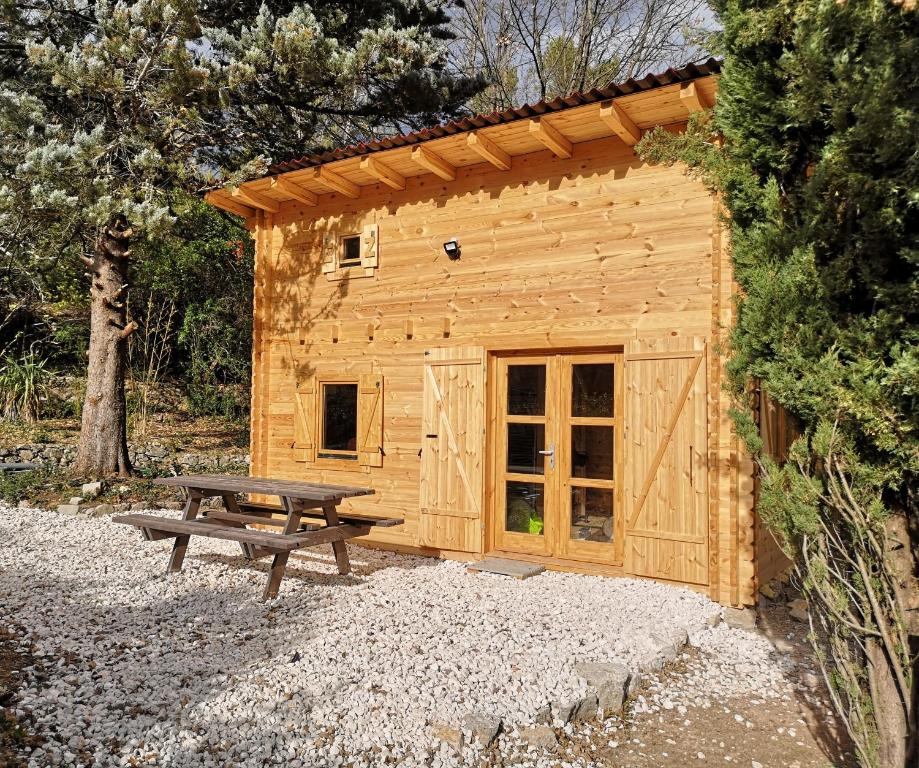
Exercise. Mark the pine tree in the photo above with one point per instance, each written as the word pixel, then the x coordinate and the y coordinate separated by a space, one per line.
pixel 107 109
pixel 818 108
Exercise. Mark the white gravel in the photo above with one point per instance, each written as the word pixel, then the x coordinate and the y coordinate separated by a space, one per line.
pixel 193 670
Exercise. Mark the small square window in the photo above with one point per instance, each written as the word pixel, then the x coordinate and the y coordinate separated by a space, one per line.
pixel 339 422
pixel 350 251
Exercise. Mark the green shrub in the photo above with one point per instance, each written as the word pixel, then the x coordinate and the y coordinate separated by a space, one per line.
pixel 24 384
pixel 15 486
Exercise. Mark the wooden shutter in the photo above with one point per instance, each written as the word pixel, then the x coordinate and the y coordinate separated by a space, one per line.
pixel 666 459
pixel 453 449
pixel 370 248
pixel 329 254
pixel 305 422
pixel 370 420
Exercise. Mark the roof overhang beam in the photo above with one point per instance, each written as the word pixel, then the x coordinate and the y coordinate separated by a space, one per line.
pixel 693 99
pixel 488 150
pixel 219 200
pixel 551 138
pixel 383 173
pixel 434 163
pixel 621 124
pixel 291 189
pixel 336 182
pixel 255 199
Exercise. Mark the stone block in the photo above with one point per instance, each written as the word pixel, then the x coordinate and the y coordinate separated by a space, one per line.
pixel 540 737
pixel 69 509
pixel 449 735
pixel 562 711
pixel 91 490
pixel 586 708
pixel 609 682
pixel 797 609
pixel 77 500
pixel 102 509
pixel 484 729
pixel 740 618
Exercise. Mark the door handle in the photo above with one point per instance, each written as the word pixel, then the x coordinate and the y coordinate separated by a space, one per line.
pixel 551 454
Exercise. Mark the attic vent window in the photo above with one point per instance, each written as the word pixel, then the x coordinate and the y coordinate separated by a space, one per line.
pixel 350 251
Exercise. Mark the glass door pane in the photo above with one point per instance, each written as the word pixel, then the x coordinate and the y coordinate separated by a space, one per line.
pixel 525 510
pixel 524 454
pixel 589 425
pixel 591 514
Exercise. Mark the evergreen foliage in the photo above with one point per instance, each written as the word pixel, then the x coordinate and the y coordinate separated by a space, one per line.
pixel 110 111
pixel 818 108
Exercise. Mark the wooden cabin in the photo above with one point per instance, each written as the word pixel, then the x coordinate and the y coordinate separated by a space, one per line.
pixel 508 327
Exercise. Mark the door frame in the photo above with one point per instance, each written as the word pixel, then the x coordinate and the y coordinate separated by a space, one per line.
pixel 555 548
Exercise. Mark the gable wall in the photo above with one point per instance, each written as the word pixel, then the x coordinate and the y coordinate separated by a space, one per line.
pixel 596 250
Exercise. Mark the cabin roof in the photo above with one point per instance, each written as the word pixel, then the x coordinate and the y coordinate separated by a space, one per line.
pixel 624 109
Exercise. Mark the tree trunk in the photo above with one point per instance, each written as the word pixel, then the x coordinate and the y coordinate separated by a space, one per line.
pixel 103 449
pixel 889 715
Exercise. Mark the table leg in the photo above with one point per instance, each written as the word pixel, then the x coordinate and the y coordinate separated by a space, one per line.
pixel 229 501
pixel 278 564
pixel 294 510
pixel 192 504
pixel 338 547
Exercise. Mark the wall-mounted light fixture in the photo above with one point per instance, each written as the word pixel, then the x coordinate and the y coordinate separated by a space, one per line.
pixel 452 249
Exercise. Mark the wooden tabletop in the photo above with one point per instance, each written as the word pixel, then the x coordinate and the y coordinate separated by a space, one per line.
pixel 243 484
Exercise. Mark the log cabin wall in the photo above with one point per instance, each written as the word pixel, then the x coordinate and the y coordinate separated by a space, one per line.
pixel 594 252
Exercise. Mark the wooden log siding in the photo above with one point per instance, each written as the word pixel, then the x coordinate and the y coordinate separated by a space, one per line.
pixel 593 251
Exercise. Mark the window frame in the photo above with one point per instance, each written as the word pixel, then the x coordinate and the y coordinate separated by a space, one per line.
pixel 338 459
pixel 345 263
pixel 334 266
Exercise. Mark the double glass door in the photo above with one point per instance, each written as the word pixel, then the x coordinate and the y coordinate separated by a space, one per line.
pixel 557 451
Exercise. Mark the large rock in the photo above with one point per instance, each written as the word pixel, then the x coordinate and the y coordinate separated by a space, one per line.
pixel 449 735
pixel 540 736
pixel 797 609
pixel 102 509
pixel 563 711
pixel 69 509
pixel 484 729
pixel 586 708
pixel 91 490
pixel 609 681
pixel 740 618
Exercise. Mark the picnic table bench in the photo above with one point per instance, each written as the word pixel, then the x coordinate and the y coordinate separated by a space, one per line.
pixel 310 518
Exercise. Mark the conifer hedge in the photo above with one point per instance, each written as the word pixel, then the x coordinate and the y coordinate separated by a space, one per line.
pixel 818 114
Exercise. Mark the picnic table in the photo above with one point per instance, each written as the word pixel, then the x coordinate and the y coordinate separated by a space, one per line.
pixel 317 502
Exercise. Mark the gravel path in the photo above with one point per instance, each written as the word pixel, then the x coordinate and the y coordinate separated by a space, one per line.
pixel 192 670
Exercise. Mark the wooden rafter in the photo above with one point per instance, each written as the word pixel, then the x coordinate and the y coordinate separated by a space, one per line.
pixel 219 200
pixel 488 150
pixel 434 163
pixel 621 124
pixel 336 182
pixel 295 191
pixel 550 138
pixel 255 199
pixel 382 172
pixel 693 99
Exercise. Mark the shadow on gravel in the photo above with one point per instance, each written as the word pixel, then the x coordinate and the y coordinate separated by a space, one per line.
pixel 776 626
pixel 134 666
pixel 304 565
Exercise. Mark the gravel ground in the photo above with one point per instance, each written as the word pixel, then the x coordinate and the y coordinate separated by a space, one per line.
pixel 193 670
